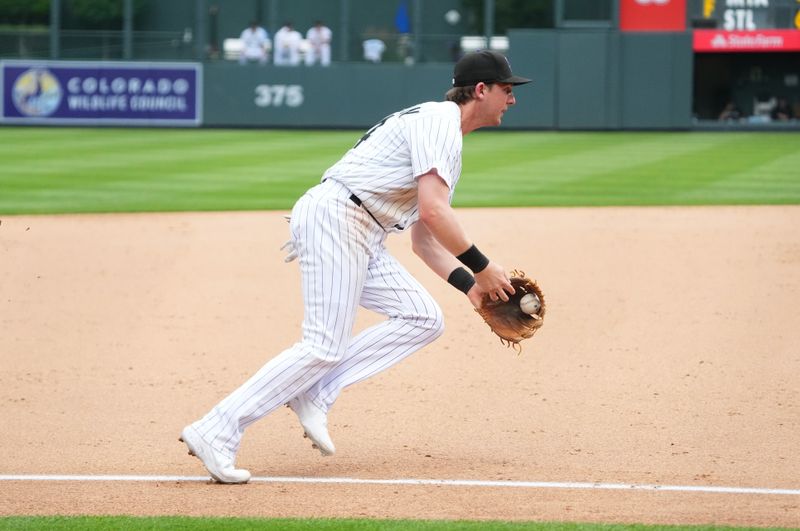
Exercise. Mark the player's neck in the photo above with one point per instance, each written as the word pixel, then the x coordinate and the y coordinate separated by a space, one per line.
pixel 469 118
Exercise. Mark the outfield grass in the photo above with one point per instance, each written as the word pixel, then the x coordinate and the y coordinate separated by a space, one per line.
pixel 92 523
pixel 60 170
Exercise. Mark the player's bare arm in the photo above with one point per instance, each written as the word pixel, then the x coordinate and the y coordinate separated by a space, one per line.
pixel 442 223
pixel 438 258
pixel 431 251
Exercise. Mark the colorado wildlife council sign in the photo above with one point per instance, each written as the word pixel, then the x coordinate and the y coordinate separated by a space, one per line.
pixel 114 93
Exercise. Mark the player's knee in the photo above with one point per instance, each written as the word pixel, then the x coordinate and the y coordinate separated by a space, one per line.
pixel 324 356
pixel 431 321
pixel 438 325
pixel 437 328
pixel 325 350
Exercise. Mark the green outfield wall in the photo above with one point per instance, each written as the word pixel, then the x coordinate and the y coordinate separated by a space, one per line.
pixel 583 79
pixel 601 79
pixel 342 95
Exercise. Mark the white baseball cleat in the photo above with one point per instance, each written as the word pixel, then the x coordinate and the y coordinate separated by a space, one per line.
pixel 314 422
pixel 219 466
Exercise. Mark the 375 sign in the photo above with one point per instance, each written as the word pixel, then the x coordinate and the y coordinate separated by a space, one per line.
pixel 279 95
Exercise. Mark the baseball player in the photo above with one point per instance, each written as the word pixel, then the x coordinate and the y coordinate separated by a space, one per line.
pixel 399 176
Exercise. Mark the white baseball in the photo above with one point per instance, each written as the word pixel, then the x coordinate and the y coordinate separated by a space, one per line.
pixel 530 304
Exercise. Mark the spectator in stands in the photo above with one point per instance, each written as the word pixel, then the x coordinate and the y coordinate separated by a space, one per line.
pixel 254 41
pixel 373 50
pixel 319 44
pixel 782 111
pixel 286 51
pixel 730 113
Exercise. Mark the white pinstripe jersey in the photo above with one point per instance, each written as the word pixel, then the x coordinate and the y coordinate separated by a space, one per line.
pixel 382 168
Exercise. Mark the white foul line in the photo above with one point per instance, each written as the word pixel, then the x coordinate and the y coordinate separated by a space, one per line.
pixel 435 482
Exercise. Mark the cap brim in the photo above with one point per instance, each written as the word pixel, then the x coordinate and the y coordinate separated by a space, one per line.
pixel 515 80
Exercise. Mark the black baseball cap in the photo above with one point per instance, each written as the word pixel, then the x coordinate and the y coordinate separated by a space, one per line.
pixel 487 66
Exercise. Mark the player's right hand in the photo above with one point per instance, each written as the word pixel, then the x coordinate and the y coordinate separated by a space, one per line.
pixel 493 281
pixel 475 296
pixel 291 251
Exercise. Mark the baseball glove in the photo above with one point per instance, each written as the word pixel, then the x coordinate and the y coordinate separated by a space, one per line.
pixel 507 320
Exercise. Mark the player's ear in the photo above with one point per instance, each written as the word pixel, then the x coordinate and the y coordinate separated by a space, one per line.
pixel 480 89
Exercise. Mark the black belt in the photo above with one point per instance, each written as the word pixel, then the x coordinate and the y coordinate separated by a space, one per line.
pixel 354 198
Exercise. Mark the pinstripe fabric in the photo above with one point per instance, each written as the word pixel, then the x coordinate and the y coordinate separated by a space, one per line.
pixel 343 263
pixel 414 320
pixel 381 169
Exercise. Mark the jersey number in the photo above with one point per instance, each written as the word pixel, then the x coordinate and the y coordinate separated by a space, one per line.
pixel 411 110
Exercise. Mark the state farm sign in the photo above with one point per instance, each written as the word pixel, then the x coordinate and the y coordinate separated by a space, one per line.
pixel 652 15
pixel 746 41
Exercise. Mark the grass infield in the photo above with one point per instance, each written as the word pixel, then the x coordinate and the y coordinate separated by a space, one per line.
pixel 65 170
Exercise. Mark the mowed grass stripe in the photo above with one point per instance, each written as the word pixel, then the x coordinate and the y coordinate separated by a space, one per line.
pixel 664 168
pixel 71 142
pixel 146 152
pixel 577 155
pixel 583 162
pixel 136 196
pixel 51 170
pixel 143 167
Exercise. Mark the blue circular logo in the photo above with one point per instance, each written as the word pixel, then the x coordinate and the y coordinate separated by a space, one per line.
pixel 36 92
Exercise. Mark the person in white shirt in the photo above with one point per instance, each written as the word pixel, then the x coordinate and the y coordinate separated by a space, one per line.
pixel 255 41
pixel 287 43
pixel 400 176
pixel 319 42
pixel 373 50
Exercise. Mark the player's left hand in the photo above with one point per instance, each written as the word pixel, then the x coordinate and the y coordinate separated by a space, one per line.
pixel 507 319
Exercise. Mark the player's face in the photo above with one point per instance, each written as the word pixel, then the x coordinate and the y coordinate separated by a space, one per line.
pixel 498 99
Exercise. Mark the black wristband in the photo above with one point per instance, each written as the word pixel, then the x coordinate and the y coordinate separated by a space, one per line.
pixel 461 279
pixel 473 259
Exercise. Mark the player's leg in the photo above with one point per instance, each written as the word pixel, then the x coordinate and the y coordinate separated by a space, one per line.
pixel 414 320
pixel 333 260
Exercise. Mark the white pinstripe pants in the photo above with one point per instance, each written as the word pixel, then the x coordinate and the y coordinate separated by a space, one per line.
pixel 343 263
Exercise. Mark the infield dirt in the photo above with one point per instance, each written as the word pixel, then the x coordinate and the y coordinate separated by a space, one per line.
pixel 668 356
